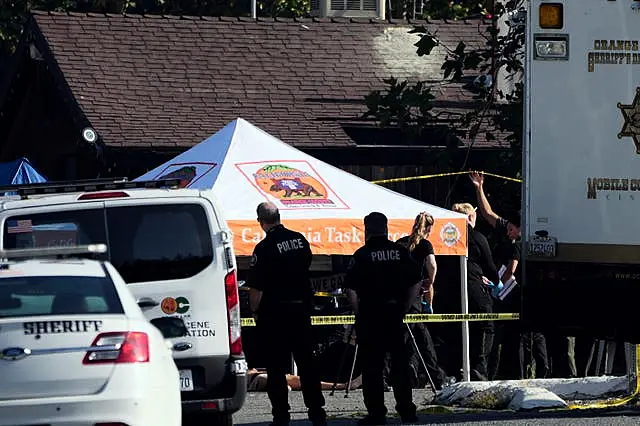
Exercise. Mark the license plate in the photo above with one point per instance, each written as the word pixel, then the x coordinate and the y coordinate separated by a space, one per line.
pixel 543 248
pixel 186 380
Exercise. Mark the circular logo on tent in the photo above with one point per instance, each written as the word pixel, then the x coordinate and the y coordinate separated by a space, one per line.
pixel 179 305
pixel 291 186
pixel 450 234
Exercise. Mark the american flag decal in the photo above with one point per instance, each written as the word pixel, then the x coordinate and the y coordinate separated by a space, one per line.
pixel 19 226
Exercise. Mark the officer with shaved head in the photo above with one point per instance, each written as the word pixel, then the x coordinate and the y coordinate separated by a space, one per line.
pixel 382 282
pixel 281 300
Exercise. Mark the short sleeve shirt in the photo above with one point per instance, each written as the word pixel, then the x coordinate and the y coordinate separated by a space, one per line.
pixel 507 250
pixel 280 268
pixel 381 271
pixel 421 251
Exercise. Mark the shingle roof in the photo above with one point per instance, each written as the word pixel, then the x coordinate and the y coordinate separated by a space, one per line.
pixel 172 81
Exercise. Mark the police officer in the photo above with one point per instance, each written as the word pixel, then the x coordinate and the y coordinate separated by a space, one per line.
pixel 382 282
pixel 281 300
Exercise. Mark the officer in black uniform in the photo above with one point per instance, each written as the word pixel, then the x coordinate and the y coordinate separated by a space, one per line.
pixel 382 283
pixel 480 266
pixel 281 299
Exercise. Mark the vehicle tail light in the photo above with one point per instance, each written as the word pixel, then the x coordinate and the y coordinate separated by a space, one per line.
pixel 233 313
pixel 119 348
pixel 103 195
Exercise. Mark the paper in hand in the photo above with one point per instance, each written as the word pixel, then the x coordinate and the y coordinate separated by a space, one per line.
pixel 508 286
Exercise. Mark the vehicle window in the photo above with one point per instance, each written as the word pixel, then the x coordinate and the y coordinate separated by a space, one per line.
pixel 159 242
pixel 60 295
pixel 146 243
pixel 65 228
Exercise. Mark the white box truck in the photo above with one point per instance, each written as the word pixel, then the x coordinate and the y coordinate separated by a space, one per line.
pixel 581 194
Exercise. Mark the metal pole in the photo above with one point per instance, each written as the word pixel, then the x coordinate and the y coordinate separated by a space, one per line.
pixel 353 367
pixel 466 362
pixel 254 9
pixel 424 364
pixel 343 359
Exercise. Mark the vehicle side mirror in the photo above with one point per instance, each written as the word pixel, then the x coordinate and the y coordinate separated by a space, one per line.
pixel 170 327
pixel 10 302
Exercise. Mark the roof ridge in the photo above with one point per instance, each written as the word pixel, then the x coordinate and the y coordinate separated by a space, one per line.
pixel 334 20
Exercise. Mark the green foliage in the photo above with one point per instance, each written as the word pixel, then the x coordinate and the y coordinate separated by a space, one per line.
pixel 496 115
pixel 451 9
pixel 410 106
pixel 406 105
pixel 290 8
pixel 13 15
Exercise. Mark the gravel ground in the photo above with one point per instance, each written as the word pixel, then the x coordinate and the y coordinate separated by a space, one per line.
pixel 257 408
pixel 343 411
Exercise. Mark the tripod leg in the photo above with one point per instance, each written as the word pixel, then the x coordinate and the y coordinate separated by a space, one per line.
pixel 341 365
pixel 424 364
pixel 353 367
pixel 590 359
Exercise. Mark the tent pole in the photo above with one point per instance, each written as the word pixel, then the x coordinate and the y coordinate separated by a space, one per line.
pixel 466 370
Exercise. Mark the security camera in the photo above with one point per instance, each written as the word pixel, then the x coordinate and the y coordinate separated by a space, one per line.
pixel 89 135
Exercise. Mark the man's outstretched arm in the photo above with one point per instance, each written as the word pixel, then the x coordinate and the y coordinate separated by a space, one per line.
pixel 483 204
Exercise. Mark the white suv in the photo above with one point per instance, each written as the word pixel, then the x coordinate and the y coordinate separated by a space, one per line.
pixel 76 349
pixel 174 250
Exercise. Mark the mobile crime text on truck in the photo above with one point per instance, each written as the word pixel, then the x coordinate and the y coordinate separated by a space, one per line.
pixel 581 193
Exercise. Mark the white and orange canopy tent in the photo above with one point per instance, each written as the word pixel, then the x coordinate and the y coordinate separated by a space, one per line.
pixel 245 166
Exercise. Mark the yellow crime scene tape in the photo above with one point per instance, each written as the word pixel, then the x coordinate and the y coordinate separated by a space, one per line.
pixel 325 294
pixel 411 318
pixel 316 294
pixel 406 179
pixel 618 401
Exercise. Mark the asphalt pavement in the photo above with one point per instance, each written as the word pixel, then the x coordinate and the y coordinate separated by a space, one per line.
pixel 344 411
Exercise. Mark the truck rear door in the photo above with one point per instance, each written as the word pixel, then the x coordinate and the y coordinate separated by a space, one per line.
pixel 582 166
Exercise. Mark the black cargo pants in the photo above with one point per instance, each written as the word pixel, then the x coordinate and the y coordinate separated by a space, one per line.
pixel 535 352
pixel 378 334
pixel 283 336
pixel 561 352
pixel 481 333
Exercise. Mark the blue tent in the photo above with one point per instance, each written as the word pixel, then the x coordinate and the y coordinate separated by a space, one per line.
pixel 19 172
